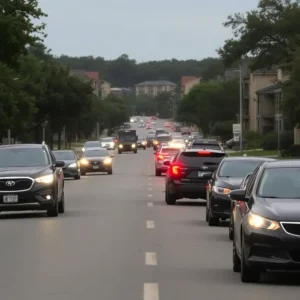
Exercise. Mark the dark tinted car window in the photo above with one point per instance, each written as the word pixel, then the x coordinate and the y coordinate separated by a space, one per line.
pixel 92 144
pixel 164 138
pixel 96 153
pixel 195 158
pixel 238 168
pixel 23 157
pixel 206 146
pixel 280 183
pixel 64 155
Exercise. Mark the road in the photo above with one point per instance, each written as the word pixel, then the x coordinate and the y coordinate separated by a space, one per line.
pixel 119 241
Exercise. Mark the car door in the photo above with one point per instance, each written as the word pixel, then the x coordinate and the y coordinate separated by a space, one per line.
pixel 58 173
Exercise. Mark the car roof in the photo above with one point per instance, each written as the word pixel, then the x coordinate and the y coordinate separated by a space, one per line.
pixel 247 158
pixel 291 163
pixel 12 146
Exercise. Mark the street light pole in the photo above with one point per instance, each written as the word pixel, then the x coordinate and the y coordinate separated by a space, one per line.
pixel 44 124
pixel 241 110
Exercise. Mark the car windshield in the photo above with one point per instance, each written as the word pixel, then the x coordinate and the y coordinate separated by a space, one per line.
pixel 92 144
pixel 64 155
pixel 141 138
pixel 127 138
pixel 238 168
pixel 281 183
pixel 109 139
pixel 23 157
pixel 96 153
pixel 164 138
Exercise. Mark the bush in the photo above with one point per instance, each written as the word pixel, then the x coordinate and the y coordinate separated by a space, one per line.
pixel 253 139
pixel 270 141
pixel 294 151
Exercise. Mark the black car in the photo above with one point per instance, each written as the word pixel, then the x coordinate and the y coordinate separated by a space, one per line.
pixel 96 160
pixel 141 143
pixel 228 177
pixel 267 221
pixel 161 139
pixel 72 165
pixel 188 174
pixel 31 179
pixel 149 138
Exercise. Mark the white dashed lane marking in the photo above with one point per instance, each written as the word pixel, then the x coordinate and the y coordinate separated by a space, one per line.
pixel 150 259
pixel 150 224
pixel 149 195
pixel 150 204
pixel 151 291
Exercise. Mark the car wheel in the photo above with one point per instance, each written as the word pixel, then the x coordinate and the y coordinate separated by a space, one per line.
pixel 61 204
pixel 206 214
pixel 77 176
pixel 170 198
pixel 53 211
pixel 157 172
pixel 248 274
pixel 119 152
pixel 135 151
pixel 212 221
pixel 230 229
pixel 110 172
pixel 83 173
pixel 236 261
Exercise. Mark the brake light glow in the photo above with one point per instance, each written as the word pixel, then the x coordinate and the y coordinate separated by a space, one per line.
pixel 175 170
pixel 204 152
pixel 160 157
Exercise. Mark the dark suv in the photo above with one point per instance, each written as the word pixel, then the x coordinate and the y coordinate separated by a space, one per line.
pixel 31 179
pixel 189 172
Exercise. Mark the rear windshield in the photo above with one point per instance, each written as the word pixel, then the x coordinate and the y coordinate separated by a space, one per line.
pixel 164 138
pixel 169 150
pixel 160 131
pixel 127 138
pixel 206 146
pixel 92 144
pixel 195 158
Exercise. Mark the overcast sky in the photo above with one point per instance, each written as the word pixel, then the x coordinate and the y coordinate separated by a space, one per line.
pixel 145 30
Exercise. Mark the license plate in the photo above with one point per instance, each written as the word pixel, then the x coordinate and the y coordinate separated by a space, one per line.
pixel 10 199
pixel 95 167
pixel 200 174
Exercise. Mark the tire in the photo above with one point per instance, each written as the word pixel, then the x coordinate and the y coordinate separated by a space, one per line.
pixel 110 172
pixel 212 221
pixel 248 274
pixel 144 148
pixel 206 214
pixel 157 172
pixel 135 151
pixel 170 199
pixel 77 177
pixel 119 152
pixel 230 229
pixel 236 261
pixel 53 211
pixel 83 173
pixel 61 204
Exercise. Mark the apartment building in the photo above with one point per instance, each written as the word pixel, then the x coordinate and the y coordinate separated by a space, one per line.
pixel 187 83
pixel 104 89
pixel 120 91
pixel 153 88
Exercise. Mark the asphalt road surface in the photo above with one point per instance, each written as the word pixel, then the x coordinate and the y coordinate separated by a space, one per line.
pixel 118 240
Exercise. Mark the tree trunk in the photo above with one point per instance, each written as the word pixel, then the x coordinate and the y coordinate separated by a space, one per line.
pixel 59 140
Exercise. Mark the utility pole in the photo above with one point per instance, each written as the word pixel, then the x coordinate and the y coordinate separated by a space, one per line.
pixel 97 131
pixel 8 136
pixel 241 109
pixel 64 135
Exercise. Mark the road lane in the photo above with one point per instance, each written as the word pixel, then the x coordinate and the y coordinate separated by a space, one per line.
pixel 117 242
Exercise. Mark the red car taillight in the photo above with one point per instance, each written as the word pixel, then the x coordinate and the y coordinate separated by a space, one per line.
pixel 175 170
pixel 160 157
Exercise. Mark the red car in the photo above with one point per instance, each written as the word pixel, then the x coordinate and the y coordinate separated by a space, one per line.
pixel 148 126
pixel 153 118
pixel 167 125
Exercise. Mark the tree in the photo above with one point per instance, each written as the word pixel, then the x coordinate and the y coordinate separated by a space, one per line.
pixel 18 28
pixel 269 34
pixel 208 103
pixel 223 130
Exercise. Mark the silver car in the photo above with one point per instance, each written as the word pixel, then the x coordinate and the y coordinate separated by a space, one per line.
pixel 163 157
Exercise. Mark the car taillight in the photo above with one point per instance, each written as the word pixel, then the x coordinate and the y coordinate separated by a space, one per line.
pixel 160 157
pixel 175 170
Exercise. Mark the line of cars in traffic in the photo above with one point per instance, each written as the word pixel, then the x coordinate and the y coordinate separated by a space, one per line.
pixel 259 196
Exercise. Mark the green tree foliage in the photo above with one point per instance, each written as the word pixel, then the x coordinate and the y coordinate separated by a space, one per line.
pixel 209 103
pixel 223 130
pixel 126 72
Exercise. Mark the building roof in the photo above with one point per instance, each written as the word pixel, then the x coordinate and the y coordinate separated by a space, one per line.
pixel 186 79
pixel 269 89
pixel 156 83
pixel 92 75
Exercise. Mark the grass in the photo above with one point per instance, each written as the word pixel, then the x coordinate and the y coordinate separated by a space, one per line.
pixel 269 153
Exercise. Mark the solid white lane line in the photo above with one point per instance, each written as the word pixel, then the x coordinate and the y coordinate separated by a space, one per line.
pixel 149 195
pixel 150 204
pixel 150 224
pixel 151 291
pixel 150 259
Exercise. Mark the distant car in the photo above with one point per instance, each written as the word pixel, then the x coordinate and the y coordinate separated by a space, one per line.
pixel 72 165
pixel 160 131
pixel 153 123
pixel 178 143
pixel 189 172
pixel 153 118
pixel 228 177
pixel 177 128
pixel 167 124
pixel 163 155
pixel 142 143
pixel 208 144
pixel 185 131
pixel 108 143
pixel 91 145
pixel 31 179
pixel 149 127
pixel 267 221
pixel 96 160
pixel 160 139
pixel 149 138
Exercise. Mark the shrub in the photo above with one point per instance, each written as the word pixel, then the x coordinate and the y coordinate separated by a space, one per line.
pixel 253 139
pixel 270 141
pixel 294 151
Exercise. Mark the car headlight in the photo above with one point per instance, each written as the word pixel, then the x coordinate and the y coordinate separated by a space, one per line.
pixel 83 149
pixel 155 142
pixel 73 165
pixel 107 161
pixel 259 222
pixel 143 143
pixel 133 145
pixel 120 146
pixel 45 179
pixel 221 190
pixel 84 162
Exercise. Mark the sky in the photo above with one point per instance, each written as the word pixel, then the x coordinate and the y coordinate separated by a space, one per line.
pixel 143 29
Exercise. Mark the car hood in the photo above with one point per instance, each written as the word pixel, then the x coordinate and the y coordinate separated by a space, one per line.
pixel 278 209
pixel 21 171
pixel 232 183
